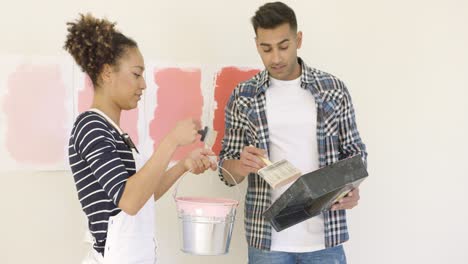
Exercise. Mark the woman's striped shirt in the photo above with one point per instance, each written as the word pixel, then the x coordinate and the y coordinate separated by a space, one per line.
pixel 101 163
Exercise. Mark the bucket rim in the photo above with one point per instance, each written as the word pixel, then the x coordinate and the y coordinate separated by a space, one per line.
pixel 215 201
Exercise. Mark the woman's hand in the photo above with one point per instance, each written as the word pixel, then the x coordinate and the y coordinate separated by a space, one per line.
pixel 183 133
pixel 198 161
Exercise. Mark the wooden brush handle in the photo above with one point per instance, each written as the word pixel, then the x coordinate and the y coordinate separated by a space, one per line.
pixel 265 160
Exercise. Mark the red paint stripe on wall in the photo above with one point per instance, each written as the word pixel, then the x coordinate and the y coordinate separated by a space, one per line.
pixel 226 80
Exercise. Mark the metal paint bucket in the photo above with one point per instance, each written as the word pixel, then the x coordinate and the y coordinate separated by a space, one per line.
pixel 206 224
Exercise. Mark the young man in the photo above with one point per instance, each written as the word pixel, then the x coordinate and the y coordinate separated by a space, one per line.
pixel 294 112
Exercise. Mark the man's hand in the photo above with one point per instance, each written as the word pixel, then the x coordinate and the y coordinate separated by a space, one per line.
pixel 250 161
pixel 347 202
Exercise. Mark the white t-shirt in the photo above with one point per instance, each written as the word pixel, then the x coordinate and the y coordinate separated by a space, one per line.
pixel 292 125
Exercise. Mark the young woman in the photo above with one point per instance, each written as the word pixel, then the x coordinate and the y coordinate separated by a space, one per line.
pixel 116 193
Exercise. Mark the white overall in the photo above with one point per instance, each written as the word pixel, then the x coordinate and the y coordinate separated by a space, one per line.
pixel 130 239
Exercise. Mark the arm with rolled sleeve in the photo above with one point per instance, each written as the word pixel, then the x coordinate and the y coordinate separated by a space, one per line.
pixel 233 141
pixel 350 145
pixel 349 138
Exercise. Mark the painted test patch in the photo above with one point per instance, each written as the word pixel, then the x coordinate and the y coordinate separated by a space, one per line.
pixel 36 114
pixel 179 97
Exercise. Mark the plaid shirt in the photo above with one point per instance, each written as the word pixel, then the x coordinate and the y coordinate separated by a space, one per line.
pixel 337 135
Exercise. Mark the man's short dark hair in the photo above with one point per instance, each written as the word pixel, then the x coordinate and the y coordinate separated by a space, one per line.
pixel 271 15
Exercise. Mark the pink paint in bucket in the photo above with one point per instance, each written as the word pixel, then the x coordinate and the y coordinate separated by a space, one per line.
pixel 205 206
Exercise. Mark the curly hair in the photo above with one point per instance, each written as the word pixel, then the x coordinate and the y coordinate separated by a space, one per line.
pixel 94 42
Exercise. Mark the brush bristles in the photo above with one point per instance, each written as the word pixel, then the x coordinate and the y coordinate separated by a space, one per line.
pixel 279 173
pixel 210 138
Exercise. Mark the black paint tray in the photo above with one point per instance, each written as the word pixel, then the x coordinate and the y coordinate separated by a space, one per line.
pixel 315 192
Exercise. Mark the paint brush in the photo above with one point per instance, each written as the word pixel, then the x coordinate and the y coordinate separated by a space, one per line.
pixel 279 173
pixel 208 136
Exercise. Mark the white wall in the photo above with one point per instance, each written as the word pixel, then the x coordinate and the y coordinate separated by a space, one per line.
pixel 405 63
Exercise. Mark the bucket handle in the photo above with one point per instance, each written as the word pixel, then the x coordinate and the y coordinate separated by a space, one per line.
pixel 174 195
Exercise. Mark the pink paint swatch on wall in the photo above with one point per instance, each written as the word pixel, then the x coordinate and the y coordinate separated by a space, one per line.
pixel 36 115
pixel 226 80
pixel 128 119
pixel 179 97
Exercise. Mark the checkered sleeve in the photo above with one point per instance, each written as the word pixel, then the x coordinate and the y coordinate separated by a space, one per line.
pixel 350 140
pixel 233 140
